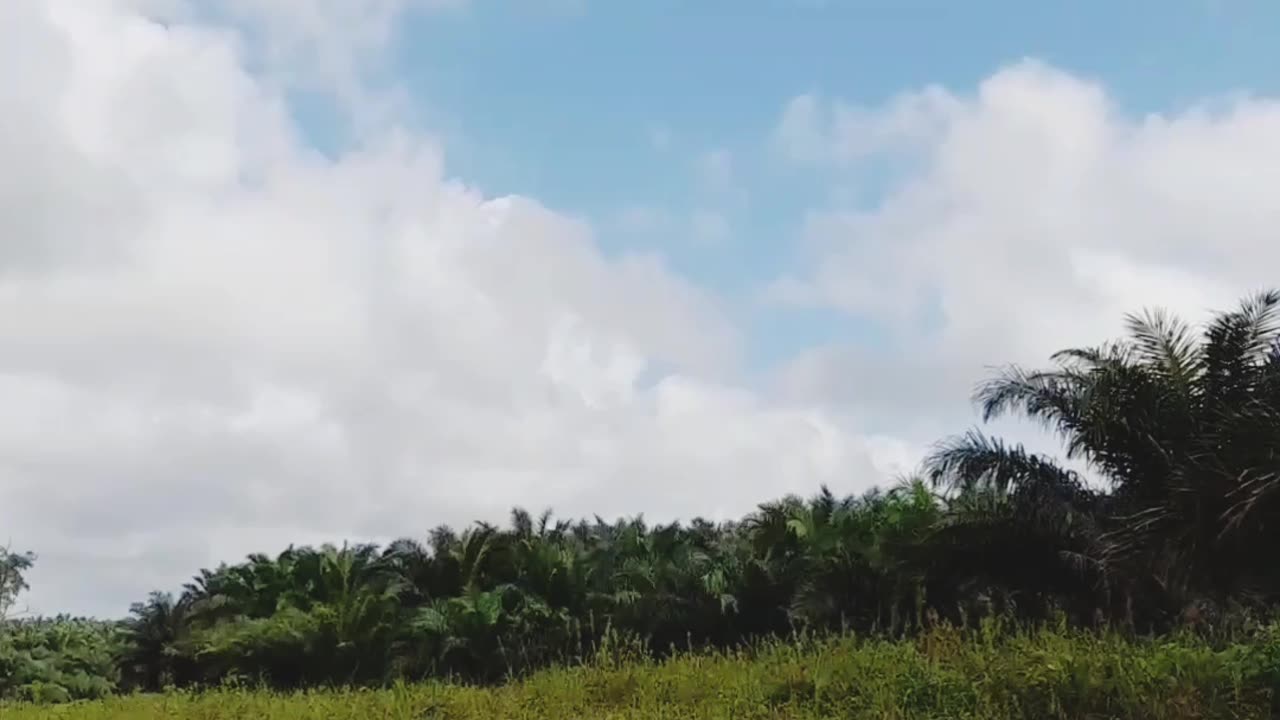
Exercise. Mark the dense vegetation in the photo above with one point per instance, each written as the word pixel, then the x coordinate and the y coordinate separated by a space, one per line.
pixel 1181 429
pixel 985 674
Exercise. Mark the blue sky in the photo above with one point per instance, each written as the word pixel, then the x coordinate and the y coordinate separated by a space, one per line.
pixel 600 108
pixel 544 102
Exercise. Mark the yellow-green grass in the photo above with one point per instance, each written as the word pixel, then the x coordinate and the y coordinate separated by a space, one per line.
pixel 944 674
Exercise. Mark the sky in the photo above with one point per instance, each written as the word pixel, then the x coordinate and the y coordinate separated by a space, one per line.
pixel 307 271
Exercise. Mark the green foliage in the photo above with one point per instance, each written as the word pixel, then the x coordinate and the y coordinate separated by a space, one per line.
pixel 1185 434
pixel 58 659
pixel 982 674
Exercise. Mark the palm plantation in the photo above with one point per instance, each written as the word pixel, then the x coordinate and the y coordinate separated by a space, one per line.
pixel 1180 430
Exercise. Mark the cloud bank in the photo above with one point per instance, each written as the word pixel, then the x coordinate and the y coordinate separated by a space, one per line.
pixel 1022 218
pixel 215 339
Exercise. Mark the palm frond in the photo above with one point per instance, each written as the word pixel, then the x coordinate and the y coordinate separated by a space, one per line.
pixel 1254 490
pixel 1043 396
pixel 1239 341
pixel 1167 343
pixel 975 459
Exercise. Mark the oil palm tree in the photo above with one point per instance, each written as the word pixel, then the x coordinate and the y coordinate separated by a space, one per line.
pixel 1182 430
pixel 1020 533
pixel 844 559
pixel 155 651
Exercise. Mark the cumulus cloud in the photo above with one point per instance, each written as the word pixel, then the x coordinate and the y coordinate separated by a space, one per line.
pixel 214 340
pixel 1032 214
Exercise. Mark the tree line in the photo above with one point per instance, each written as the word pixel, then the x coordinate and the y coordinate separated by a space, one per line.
pixel 1180 426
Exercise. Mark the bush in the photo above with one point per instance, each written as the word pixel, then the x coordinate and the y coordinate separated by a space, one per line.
pixel 984 674
pixel 58 659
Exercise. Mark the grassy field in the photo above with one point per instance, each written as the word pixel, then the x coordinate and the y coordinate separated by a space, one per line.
pixel 944 674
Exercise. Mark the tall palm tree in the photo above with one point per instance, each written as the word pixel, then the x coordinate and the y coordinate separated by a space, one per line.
pixel 155 653
pixel 474 560
pixel 1020 532
pixel 1184 432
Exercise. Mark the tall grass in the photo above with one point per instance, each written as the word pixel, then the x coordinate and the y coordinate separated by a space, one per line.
pixel 944 673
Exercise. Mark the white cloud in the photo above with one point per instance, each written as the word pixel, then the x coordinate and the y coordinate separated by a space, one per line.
pixel 816 130
pixel 1035 214
pixel 214 340
pixel 715 171
pixel 332 37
